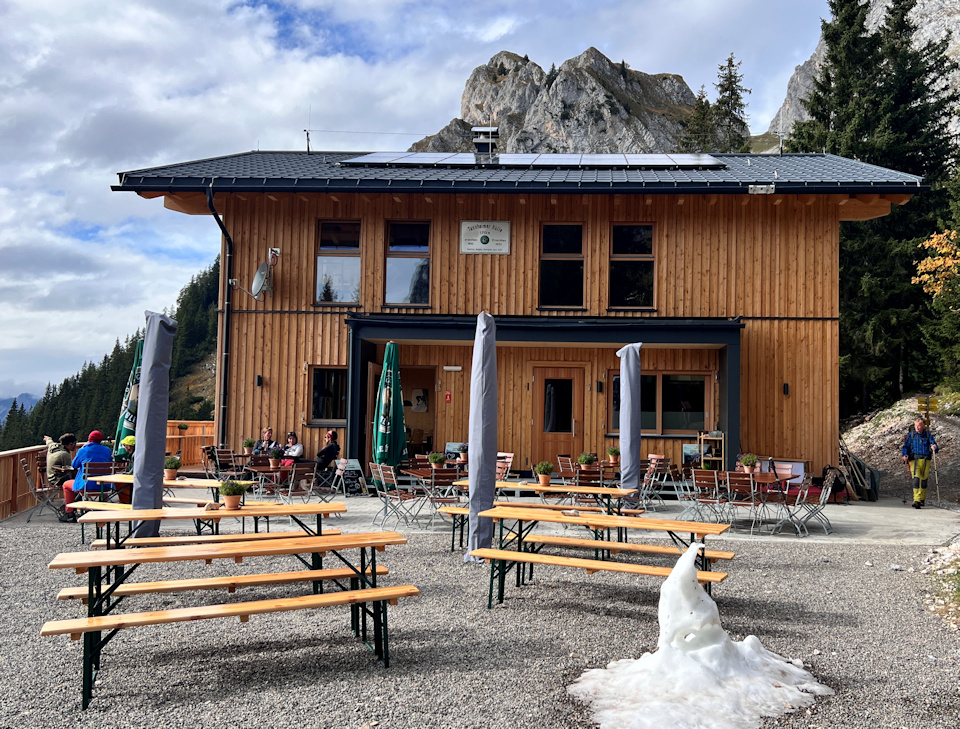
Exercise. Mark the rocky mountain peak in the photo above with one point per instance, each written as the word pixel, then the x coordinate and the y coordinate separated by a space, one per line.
pixel 588 104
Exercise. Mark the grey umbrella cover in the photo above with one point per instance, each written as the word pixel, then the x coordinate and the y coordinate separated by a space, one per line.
pixel 153 407
pixel 483 433
pixel 631 477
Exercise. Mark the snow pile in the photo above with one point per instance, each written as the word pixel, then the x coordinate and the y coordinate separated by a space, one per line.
pixel 698 677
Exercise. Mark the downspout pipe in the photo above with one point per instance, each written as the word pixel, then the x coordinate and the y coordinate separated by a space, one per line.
pixel 228 275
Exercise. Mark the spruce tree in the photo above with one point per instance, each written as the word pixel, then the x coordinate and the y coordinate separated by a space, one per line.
pixel 730 110
pixel 700 133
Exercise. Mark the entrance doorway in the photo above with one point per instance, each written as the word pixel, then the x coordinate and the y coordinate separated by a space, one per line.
pixel 418 384
pixel 557 413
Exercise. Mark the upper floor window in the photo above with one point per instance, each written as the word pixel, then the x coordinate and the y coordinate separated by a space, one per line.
pixel 561 266
pixel 631 266
pixel 328 402
pixel 408 263
pixel 338 262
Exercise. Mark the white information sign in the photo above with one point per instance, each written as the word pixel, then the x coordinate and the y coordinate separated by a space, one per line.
pixel 485 236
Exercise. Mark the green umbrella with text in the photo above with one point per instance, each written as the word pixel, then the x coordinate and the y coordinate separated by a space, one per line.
pixel 128 410
pixel 389 430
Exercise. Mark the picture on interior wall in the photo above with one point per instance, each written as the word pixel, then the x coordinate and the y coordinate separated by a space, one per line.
pixel 419 400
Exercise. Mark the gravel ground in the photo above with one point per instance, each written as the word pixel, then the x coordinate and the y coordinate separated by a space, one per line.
pixel 860 628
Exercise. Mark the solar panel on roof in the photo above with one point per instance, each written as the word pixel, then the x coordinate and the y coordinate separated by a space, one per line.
pixel 376 158
pixel 557 160
pixel 603 160
pixel 518 160
pixel 695 160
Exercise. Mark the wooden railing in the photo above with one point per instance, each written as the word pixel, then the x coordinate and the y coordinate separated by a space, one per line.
pixel 15 494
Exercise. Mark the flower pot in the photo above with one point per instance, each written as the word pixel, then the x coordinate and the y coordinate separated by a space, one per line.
pixel 462 458
pixel 248 450
pixel 274 462
pixel 614 460
pixel 170 473
pixel 232 502
pixel 544 479
pixel 749 469
pixel 435 465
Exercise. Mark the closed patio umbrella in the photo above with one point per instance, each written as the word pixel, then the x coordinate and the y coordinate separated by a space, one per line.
pixel 631 477
pixel 128 409
pixel 482 433
pixel 389 429
pixel 152 410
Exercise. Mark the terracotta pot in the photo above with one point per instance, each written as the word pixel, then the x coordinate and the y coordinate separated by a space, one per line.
pixel 232 502
pixel 170 473
pixel 544 479
pixel 613 459
pixel 749 469
pixel 248 450
pixel 462 458
pixel 274 462
pixel 436 465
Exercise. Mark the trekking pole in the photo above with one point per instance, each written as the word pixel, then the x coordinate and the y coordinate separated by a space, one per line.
pixel 936 476
pixel 909 491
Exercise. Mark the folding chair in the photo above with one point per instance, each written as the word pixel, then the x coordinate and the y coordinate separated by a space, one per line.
pixel 744 494
pixel 504 462
pixel 95 490
pixel 397 502
pixel 706 496
pixel 565 470
pixel 814 503
pixel 42 491
pixel 440 491
pixel 299 484
pixel 791 505
pixel 226 465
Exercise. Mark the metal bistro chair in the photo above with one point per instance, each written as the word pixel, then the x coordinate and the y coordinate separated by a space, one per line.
pixel 96 490
pixel 226 465
pixel 398 503
pixel 440 491
pixel 42 492
pixel 744 494
pixel 708 498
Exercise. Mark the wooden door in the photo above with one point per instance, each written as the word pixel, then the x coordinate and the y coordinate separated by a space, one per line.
pixel 557 413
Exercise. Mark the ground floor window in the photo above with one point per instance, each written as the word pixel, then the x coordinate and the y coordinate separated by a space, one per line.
pixel 669 403
pixel 328 396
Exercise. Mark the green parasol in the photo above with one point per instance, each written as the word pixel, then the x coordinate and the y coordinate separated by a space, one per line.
pixel 128 411
pixel 389 432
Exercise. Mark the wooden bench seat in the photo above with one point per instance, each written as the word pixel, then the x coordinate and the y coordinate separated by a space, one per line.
pixel 617 547
pixel 500 557
pixel 99 506
pixel 206 539
pixel 204 502
pixel 217 583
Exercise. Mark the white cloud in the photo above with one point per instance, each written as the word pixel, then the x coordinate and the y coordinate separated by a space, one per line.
pixel 89 89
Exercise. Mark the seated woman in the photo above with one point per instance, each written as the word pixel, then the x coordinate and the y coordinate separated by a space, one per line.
pixel 330 451
pixel 266 443
pixel 292 453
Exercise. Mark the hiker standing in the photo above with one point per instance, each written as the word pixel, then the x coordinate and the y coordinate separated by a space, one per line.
pixel 918 448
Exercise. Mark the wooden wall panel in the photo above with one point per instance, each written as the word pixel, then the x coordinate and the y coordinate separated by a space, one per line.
pixel 770 259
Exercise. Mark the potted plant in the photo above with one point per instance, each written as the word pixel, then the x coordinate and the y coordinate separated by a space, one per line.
pixel 170 466
pixel 585 459
pixel 248 445
pixel 614 453
pixel 749 462
pixel 463 453
pixel 274 457
pixel 436 459
pixel 543 471
pixel 183 426
pixel 232 492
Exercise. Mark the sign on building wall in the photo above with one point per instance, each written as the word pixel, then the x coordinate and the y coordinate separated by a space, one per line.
pixel 485 236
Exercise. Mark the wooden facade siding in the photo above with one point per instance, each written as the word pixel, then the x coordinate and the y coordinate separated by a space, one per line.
pixel 770 259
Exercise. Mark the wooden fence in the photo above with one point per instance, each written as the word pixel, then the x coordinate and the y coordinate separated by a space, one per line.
pixel 15 494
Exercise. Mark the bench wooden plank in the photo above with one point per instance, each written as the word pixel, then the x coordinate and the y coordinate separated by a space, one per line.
pixel 81 561
pixel 99 506
pixel 207 538
pixel 243 610
pixel 204 502
pixel 230 583
pixel 617 547
pixel 464 510
pixel 590 565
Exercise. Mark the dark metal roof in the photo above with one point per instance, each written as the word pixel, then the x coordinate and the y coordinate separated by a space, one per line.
pixel 323 172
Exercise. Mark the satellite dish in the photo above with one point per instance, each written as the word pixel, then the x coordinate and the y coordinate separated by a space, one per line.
pixel 260 280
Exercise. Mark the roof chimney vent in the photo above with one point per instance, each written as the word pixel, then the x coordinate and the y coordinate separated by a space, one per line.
pixel 485 143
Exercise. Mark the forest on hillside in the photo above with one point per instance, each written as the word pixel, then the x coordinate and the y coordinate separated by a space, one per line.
pixel 91 399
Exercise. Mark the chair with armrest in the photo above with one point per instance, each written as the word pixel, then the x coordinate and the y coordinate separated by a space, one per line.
pixel 42 492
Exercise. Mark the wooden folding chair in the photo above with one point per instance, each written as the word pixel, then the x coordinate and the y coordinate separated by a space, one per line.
pixel 42 492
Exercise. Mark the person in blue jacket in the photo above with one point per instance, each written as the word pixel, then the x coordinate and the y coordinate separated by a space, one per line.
pixel 94 451
pixel 918 448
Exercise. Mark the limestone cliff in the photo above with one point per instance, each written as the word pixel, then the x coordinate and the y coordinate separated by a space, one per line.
pixel 934 19
pixel 589 105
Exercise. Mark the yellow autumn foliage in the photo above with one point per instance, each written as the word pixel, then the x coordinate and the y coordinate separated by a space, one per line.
pixel 942 265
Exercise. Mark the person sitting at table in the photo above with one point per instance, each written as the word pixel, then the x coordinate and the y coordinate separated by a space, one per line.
pixel 59 471
pixel 266 443
pixel 330 451
pixel 124 491
pixel 93 451
pixel 291 454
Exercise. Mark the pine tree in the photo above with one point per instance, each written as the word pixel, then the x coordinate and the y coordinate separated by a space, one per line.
pixel 700 133
pixel 551 76
pixel 730 110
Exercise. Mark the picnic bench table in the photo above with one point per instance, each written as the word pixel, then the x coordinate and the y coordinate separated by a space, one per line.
pixel 367 600
pixel 525 550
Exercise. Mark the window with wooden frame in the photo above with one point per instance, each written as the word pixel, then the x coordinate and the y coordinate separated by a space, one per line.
pixel 338 262
pixel 328 399
pixel 670 403
pixel 561 266
pixel 631 266
pixel 408 263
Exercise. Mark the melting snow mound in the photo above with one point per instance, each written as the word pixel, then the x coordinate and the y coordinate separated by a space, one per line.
pixel 698 678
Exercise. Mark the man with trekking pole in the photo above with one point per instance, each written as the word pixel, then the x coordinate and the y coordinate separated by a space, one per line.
pixel 918 449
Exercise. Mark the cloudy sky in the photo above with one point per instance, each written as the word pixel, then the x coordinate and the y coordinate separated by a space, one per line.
pixel 89 88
